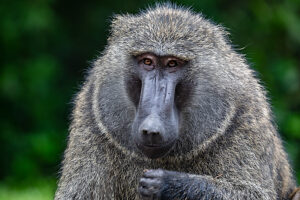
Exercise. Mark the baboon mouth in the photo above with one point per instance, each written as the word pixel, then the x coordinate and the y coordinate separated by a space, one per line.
pixel 153 145
pixel 155 151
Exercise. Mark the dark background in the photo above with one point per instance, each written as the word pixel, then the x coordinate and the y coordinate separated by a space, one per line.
pixel 46 46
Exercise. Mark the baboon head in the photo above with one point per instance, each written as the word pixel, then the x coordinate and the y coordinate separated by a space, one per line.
pixel 167 82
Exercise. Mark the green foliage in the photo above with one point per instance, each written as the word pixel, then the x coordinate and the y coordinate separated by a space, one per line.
pixel 40 190
pixel 46 45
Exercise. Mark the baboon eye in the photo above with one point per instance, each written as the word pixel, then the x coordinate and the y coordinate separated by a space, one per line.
pixel 172 63
pixel 147 61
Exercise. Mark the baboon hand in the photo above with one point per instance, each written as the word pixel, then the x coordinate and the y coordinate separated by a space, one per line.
pixel 151 184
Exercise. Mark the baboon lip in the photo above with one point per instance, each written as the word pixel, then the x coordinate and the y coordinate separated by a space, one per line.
pixel 155 151
pixel 156 146
pixel 153 146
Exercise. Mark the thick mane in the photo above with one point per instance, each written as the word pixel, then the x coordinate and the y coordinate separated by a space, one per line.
pixel 171 111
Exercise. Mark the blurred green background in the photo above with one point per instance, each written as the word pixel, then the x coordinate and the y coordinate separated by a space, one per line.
pixel 46 46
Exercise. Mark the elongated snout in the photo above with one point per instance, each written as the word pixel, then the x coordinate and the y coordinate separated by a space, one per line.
pixel 156 123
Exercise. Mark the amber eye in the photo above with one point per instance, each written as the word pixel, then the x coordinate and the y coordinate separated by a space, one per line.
pixel 147 61
pixel 172 63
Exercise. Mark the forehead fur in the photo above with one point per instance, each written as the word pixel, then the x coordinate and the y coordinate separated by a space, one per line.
pixel 167 28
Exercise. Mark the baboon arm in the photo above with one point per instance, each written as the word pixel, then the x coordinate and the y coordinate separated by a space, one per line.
pixel 81 172
pixel 79 180
pixel 178 185
pixel 76 188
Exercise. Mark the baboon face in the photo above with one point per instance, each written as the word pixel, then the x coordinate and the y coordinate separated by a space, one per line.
pixel 156 125
pixel 165 84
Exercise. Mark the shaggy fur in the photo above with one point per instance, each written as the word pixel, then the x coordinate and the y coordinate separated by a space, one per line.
pixel 228 147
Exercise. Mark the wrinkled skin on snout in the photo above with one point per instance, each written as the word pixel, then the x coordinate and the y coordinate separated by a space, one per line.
pixel 156 125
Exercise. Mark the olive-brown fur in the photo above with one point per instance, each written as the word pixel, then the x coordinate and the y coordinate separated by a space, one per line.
pixel 228 143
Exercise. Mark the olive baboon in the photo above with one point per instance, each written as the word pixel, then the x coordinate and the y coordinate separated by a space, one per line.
pixel 171 111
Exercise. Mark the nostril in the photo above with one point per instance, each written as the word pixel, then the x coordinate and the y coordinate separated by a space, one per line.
pixel 146 132
pixel 155 133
